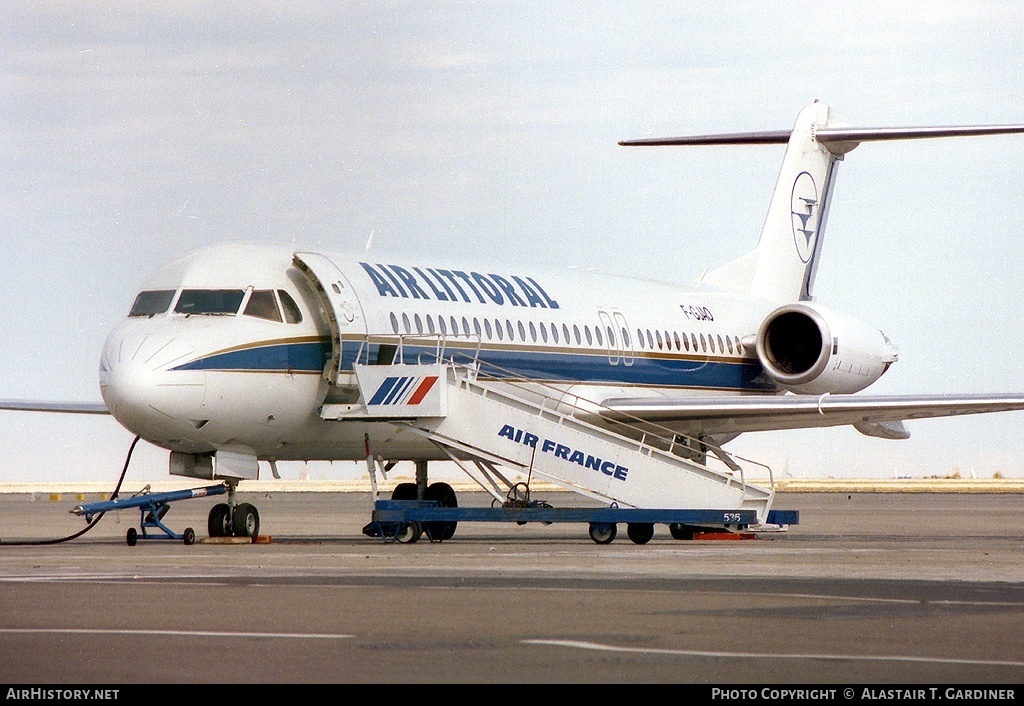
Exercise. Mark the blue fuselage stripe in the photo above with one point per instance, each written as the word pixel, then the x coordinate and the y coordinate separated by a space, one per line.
pixel 279 357
pixel 577 367
pixel 572 366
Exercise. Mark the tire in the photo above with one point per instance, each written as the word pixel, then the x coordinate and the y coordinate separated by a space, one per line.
pixel 445 496
pixel 679 531
pixel 219 522
pixel 409 533
pixel 603 533
pixel 640 532
pixel 132 537
pixel 189 536
pixel 246 521
pixel 405 491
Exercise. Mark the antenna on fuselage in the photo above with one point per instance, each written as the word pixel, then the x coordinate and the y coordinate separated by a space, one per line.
pixel 369 241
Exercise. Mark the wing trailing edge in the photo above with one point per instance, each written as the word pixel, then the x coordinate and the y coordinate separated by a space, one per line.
pixel 875 415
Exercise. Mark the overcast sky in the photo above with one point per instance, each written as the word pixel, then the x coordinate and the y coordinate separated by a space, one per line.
pixel 132 133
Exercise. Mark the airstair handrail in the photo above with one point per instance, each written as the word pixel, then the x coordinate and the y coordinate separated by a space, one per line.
pixel 651 434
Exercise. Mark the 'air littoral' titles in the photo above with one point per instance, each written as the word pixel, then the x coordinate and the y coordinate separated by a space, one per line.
pixel 456 285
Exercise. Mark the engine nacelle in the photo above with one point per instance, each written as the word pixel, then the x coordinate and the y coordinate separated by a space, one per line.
pixel 808 349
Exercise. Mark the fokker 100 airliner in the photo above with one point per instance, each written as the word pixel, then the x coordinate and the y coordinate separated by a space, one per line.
pixel 621 390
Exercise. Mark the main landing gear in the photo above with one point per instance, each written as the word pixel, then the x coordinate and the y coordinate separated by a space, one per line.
pixel 233 519
pixel 438 494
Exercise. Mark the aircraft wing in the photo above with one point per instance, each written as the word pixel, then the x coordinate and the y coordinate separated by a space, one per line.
pixel 60 407
pixel 879 416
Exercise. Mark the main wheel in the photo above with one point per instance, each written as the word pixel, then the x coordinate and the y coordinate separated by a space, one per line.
pixel 603 533
pixel 219 522
pixel 404 491
pixel 445 496
pixel 679 531
pixel 246 521
pixel 640 532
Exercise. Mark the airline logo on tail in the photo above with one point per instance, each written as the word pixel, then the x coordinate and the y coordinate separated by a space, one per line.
pixel 406 390
pixel 805 215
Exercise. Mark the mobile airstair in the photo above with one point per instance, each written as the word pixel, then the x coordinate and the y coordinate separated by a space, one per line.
pixel 487 423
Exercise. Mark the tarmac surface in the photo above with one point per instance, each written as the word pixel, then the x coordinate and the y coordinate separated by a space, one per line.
pixel 869 588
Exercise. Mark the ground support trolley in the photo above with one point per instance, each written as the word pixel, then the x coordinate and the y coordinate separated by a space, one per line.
pixel 407 520
pixel 152 508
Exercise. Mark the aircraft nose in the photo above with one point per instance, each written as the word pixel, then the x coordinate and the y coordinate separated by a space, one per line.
pixel 140 386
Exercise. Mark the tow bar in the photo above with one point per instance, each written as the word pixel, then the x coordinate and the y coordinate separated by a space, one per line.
pixel 152 508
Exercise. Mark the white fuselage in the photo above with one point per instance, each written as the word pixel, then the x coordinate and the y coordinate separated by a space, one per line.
pixel 252 377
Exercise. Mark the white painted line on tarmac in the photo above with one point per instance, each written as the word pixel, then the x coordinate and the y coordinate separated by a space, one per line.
pixel 768 655
pixel 185 633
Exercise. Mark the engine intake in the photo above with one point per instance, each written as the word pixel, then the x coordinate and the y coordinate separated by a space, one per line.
pixel 808 349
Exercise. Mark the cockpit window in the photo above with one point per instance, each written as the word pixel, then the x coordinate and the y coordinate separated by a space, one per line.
pixel 263 305
pixel 292 314
pixel 151 303
pixel 209 301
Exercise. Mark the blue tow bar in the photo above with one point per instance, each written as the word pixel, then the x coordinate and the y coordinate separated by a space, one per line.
pixel 152 508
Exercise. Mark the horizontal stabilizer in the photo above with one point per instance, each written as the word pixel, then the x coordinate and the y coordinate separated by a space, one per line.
pixel 838 140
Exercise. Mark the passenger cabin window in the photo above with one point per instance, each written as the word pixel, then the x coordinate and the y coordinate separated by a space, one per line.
pixel 152 303
pixel 209 301
pixel 263 305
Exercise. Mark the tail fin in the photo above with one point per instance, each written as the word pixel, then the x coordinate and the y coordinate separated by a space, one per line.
pixel 783 265
pixel 787 253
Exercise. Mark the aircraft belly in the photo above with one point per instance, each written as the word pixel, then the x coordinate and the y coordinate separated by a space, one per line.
pixel 345 441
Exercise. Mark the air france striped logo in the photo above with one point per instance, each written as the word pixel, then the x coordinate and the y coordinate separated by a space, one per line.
pixel 405 390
